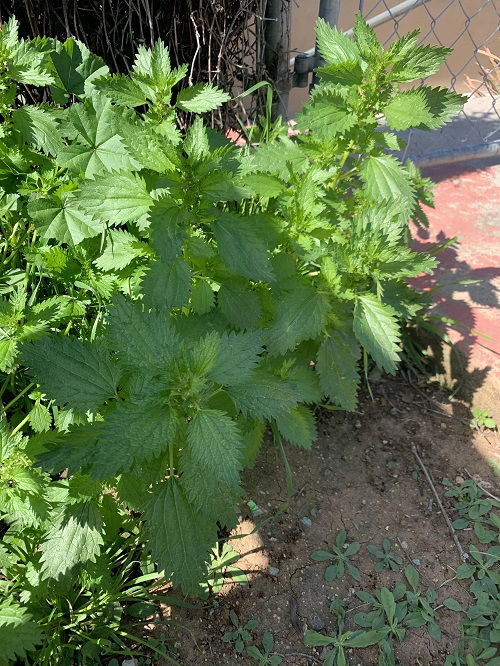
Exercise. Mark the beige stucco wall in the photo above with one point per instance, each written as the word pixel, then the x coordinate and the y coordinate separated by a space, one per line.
pixel 450 22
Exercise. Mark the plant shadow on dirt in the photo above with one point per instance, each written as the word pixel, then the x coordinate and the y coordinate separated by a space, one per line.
pixel 362 477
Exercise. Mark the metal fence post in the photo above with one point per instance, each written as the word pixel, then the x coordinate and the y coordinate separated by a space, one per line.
pixel 277 28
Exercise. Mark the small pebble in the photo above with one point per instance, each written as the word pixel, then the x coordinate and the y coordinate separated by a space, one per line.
pixel 404 545
pixel 306 521
pixel 416 561
pixel 459 479
pixel 274 571
pixel 130 662
pixel 357 424
pixel 317 623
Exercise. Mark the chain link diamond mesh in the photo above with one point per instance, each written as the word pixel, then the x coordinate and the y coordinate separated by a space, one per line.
pixel 472 29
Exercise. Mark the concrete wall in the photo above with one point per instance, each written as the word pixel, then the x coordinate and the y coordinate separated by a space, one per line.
pixel 451 21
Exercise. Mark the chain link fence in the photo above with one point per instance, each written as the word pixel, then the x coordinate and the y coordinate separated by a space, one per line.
pixel 472 29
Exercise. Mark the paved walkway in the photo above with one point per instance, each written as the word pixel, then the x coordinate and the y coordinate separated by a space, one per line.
pixel 467 197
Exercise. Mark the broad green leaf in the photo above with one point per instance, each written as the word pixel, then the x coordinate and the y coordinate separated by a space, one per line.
pixel 263 185
pixel 74 538
pixel 277 157
pixel 61 219
pixel 202 297
pixel 208 494
pixel 239 304
pixel 385 178
pixel 120 250
pixel 315 639
pixel 300 315
pixel 412 576
pixel 40 418
pixel 19 633
pixel 264 396
pixel 388 603
pixel 415 62
pixel 167 284
pixel 361 639
pixel 180 538
pixel 376 328
pixel 38 128
pixel 168 223
pixel 73 66
pixel 298 427
pixel 366 39
pixel 238 355
pixel 201 98
pixel 71 372
pixel 341 74
pixel 142 339
pixel 97 146
pixel 326 116
pixel 123 90
pixel 334 45
pixel 424 107
pixel 242 246
pixel 135 432
pixel 337 366
pixel 452 604
pixel 215 443
pixel 115 199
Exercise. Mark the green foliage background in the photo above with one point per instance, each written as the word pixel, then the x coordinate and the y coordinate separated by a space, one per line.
pixel 167 295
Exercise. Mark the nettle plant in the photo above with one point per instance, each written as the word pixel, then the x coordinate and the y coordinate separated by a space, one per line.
pixel 181 293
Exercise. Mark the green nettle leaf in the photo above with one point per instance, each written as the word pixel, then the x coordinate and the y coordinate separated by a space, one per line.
pixel 71 372
pixel 385 178
pixel 242 247
pixel 202 297
pixel 74 66
pixel 334 46
pixel 61 219
pixel 239 305
pixel 116 199
pixel 300 315
pixel 377 329
pixel 298 426
pixel 214 442
pixel 265 396
pixel 123 90
pixel 327 116
pixel 75 538
pixel 141 337
pixel 19 633
pixel 366 39
pixel 120 250
pixel 237 357
pixel 167 285
pixel 201 98
pixel 415 62
pixel 39 128
pixel 135 432
pixel 263 185
pixel 337 366
pixel 424 107
pixel 40 418
pixel 98 147
pixel 180 537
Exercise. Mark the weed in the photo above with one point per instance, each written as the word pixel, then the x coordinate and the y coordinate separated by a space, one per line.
pixel 241 634
pixel 340 554
pixel 387 559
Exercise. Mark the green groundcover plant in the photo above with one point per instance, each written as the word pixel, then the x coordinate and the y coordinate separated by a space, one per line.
pixel 166 295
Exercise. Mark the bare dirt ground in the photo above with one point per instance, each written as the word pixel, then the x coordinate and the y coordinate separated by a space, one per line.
pixel 360 476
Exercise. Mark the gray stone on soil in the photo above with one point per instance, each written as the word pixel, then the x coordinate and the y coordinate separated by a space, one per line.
pixel 274 571
pixel 306 521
